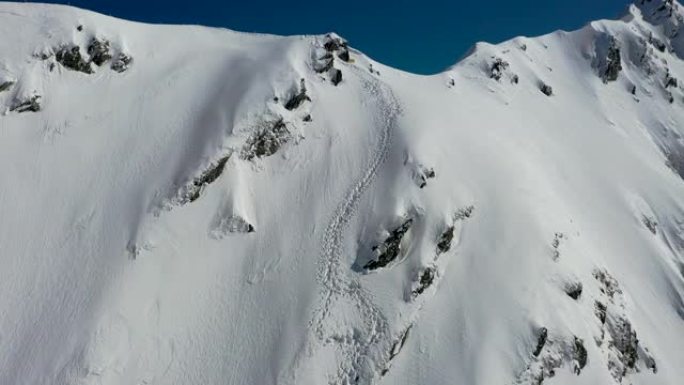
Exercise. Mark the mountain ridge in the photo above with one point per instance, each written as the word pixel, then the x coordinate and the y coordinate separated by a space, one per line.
pixel 190 205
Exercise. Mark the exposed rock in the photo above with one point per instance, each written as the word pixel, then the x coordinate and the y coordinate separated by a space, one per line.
pixel 335 76
pixel 267 141
pixel 611 64
pixel 71 58
pixel 658 44
pixel 600 309
pixel 427 277
pixel 396 348
pixel 334 43
pixel 31 104
pixel 573 290
pixel 79 28
pixel 555 244
pixel 670 81
pixel 208 176
pixel 389 250
pixel 307 118
pixel 464 213
pixel 6 85
pixel 650 224
pixel 421 176
pixel 541 341
pixel 498 68
pixel 579 355
pixel 444 242
pixel 546 89
pixel 230 224
pixel 99 51
pixel 344 55
pixel 299 98
pixel 324 63
pixel 122 62
pixel 625 344
pixel 609 285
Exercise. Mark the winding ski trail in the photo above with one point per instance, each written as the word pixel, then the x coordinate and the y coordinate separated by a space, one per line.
pixel 336 279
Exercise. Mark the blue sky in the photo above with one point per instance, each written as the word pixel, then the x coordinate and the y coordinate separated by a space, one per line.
pixel 421 36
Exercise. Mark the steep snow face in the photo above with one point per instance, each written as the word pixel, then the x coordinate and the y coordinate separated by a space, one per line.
pixel 199 206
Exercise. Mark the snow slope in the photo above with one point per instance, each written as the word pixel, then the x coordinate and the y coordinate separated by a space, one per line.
pixel 186 205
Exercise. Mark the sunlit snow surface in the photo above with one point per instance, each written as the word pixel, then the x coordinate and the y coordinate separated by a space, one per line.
pixel 174 223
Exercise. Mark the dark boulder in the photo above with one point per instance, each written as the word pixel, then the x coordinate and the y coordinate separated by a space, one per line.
pixel 541 341
pixel 335 76
pixel 99 51
pixel 574 290
pixel 390 249
pixel 344 55
pixel 71 58
pixel 546 89
pixel 298 98
pixel 444 242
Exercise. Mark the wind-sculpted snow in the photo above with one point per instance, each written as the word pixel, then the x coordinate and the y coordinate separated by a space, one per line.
pixel 188 205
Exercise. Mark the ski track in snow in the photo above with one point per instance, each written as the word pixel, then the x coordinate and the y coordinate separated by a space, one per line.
pixel 335 276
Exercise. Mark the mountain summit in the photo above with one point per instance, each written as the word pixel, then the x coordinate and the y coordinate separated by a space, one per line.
pixel 188 205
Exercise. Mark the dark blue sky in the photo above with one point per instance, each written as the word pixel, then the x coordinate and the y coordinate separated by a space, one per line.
pixel 422 36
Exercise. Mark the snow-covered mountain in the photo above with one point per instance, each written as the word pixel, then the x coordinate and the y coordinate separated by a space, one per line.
pixel 186 205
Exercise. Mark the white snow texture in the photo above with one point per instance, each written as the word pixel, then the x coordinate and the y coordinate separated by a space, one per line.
pixel 189 205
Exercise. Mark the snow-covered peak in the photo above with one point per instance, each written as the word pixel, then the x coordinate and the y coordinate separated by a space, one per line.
pixel 190 205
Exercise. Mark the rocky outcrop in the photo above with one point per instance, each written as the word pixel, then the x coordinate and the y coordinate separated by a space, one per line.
pixel 618 340
pixel 464 213
pixel 266 141
pixel 541 341
pixel 99 51
pixel 122 62
pixel 390 249
pixel 445 239
pixel 546 89
pixel 555 245
pixel 650 224
pixel 335 76
pixel 230 224
pixel 609 58
pixel 210 175
pixel 70 57
pixel 498 68
pixel 324 64
pixel 573 290
pixel 6 85
pixel 423 175
pixel 396 348
pixel 300 97
pixel 31 104
pixel 579 355
pixel 427 278
pixel 552 353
